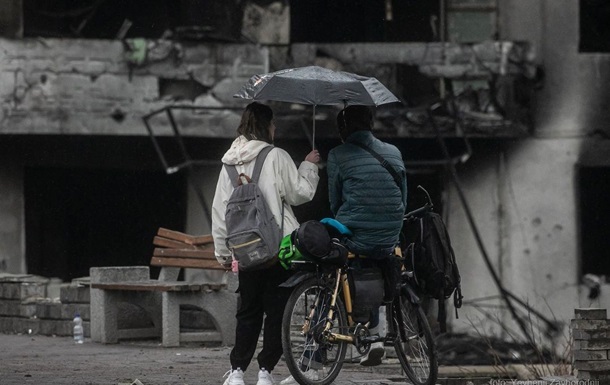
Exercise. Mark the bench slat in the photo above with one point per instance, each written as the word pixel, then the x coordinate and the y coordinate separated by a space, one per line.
pixel 187 263
pixel 185 253
pixel 170 243
pixel 202 240
pixel 154 285
pixel 186 238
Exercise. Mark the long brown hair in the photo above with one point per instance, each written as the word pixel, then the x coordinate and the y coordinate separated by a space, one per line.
pixel 255 122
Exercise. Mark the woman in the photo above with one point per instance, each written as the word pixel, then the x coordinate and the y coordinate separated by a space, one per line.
pixel 282 185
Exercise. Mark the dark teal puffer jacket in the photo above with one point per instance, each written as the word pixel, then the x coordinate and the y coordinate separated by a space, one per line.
pixel 363 195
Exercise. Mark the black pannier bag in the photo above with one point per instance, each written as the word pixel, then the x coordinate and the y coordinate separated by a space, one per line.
pixel 432 260
pixel 367 291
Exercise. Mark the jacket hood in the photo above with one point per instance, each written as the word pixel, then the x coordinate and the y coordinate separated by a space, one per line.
pixel 243 150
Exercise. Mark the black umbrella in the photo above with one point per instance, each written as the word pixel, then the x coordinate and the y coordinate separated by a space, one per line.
pixel 317 86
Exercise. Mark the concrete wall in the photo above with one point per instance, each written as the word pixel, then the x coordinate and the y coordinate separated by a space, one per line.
pixel 525 213
pixel 524 197
pixel 61 86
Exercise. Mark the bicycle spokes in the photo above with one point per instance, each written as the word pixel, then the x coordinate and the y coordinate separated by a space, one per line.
pixel 308 353
pixel 414 343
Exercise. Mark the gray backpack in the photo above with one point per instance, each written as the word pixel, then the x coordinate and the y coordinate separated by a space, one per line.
pixel 253 236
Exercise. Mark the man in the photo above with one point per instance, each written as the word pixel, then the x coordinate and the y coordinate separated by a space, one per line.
pixel 367 197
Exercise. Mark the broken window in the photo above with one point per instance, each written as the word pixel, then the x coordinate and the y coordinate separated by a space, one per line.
pixel 471 21
pixel 116 19
pixel 345 21
pixel 594 26
pixel 594 189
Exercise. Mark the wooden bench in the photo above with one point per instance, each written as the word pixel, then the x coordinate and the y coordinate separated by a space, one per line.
pixel 161 298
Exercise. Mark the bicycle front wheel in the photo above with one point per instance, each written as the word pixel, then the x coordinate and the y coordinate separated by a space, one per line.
pixel 414 343
pixel 309 357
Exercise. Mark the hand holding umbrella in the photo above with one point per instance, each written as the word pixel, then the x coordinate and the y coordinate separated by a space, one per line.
pixel 313 156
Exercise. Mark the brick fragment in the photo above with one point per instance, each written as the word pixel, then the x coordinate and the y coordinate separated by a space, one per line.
pixel 590 313
pixel 594 366
pixel 602 333
pixel 592 344
pixel 27 310
pixel 7 324
pixel 74 294
pixel 583 324
pixel 61 311
pixel 590 355
pixel 11 308
pixel 22 290
pixel 60 328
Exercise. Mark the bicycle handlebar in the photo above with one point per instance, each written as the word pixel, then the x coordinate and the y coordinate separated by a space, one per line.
pixel 417 213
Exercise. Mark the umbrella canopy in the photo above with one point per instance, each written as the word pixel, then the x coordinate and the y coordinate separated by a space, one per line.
pixel 316 86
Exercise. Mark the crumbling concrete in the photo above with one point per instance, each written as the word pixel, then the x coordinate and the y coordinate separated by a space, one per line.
pixel 74 86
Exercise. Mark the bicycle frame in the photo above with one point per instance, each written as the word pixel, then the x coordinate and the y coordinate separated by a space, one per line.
pixel 317 320
pixel 340 281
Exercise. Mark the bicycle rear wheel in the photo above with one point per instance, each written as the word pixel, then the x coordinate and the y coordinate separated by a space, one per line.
pixel 310 359
pixel 414 343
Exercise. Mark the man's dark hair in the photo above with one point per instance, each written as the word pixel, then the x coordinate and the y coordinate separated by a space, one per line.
pixel 255 122
pixel 354 118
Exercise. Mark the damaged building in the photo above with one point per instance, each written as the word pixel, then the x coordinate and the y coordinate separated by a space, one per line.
pixel 115 115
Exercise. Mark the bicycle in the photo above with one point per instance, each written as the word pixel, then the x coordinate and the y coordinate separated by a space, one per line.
pixel 317 325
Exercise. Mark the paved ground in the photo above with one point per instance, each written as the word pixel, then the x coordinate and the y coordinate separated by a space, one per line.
pixel 42 360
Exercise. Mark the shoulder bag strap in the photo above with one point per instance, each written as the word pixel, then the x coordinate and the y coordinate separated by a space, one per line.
pixel 381 160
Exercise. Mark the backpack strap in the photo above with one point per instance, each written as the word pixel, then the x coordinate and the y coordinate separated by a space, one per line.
pixel 260 160
pixel 258 166
pixel 233 175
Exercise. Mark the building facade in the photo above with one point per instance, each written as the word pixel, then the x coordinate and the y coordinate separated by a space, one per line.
pixel 522 112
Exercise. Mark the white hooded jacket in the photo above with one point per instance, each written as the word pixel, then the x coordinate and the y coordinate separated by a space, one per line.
pixel 280 181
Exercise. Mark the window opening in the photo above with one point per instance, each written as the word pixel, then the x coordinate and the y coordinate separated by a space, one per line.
pixel 594 26
pixel 215 20
pixel 594 189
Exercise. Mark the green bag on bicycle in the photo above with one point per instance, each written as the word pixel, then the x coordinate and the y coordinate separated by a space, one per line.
pixel 288 252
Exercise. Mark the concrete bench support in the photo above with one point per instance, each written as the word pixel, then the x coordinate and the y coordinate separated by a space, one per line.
pixel 162 306
pixel 220 305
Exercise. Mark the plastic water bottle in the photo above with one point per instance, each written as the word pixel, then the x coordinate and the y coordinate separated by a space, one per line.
pixel 78 332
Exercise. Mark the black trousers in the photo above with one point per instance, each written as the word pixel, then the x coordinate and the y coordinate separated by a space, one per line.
pixel 260 296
